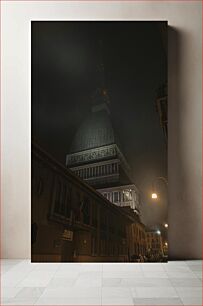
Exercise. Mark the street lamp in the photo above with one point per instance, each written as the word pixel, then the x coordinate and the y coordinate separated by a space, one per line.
pixel 166 225
pixel 154 193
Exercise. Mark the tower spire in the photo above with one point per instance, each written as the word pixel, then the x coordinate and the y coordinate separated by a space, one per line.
pixel 100 65
pixel 100 98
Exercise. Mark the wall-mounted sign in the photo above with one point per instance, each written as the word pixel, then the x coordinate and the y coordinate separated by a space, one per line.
pixel 67 235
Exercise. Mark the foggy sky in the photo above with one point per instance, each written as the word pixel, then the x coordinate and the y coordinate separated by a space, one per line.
pixel 64 74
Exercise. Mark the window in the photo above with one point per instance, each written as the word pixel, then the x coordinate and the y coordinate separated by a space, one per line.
pixel 116 196
pixel 62 199
pixel 127 195
pixel 68 202
pixel 94 214
pixel 86 211
pixel 109 196
pixel 57 197
pixel 77 207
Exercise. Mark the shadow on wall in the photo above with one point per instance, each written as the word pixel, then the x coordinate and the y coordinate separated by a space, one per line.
pixel 185 230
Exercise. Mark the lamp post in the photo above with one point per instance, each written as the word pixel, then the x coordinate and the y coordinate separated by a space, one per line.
pixel 154 193
pixel 165 224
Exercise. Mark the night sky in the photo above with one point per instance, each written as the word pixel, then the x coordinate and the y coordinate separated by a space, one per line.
pixel 64 76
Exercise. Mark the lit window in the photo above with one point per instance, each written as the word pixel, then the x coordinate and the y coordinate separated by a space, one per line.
pixel 116 196
pixel 127 195
pixel 119 196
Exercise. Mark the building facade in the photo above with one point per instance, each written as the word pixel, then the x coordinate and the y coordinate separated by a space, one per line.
pixel 96 156
pixel 71 221
pixel 154 243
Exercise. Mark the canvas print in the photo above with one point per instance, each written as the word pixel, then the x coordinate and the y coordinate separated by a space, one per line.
pixel 99 141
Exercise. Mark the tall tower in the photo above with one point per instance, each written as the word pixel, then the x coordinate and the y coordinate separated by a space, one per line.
pixel 95 154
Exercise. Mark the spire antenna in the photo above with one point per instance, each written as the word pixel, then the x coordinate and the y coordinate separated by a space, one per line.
pixel 100 98
pixel 100 65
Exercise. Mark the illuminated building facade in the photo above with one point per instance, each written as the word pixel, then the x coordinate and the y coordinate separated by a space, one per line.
pixel 127 195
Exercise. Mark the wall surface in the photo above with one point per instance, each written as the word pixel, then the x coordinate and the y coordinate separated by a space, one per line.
pixel 185 56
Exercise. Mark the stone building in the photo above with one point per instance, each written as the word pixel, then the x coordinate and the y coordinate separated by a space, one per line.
pixel 71 221
pixel 96 156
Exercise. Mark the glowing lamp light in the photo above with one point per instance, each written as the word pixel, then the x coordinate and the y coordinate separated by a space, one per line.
pixel 154 196
pixel 166 244
pixel 166 225
pixel 158 232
